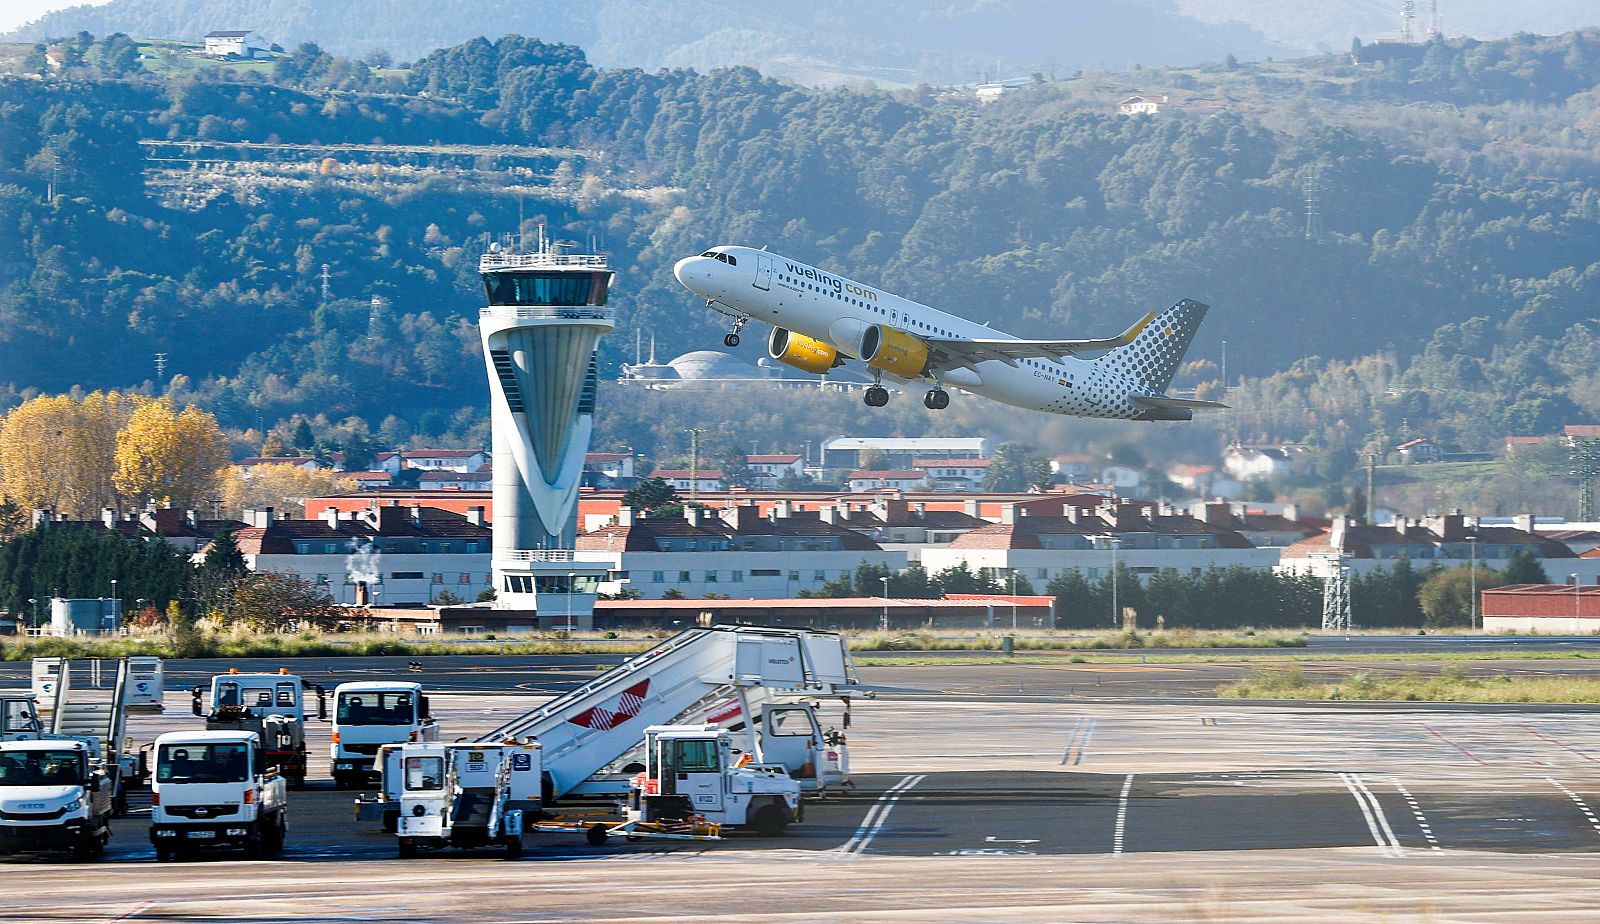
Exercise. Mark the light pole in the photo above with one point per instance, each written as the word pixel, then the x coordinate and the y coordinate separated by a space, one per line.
pixel 1472 603
pixel 1114 541
pixel 572 578
pixel 1013 601
pixel 1577 602
pixel 33 611
pixel 885 580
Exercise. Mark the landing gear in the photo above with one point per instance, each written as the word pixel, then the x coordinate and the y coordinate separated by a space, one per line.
pixel 732 339
pixel 936 399
pixel 876 396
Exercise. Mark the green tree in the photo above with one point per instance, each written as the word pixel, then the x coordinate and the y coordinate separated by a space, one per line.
pixel 1017 467
pixel 650 494
pixel 1524 567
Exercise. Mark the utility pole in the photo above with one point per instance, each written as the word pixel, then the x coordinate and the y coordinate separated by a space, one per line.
pixel 694 461
pixel 1372 480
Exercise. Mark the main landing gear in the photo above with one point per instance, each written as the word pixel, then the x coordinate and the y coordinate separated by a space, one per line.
pixel 876 396
pixel 936 399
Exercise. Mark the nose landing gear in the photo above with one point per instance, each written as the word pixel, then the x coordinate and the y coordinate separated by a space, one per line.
pixel 732 338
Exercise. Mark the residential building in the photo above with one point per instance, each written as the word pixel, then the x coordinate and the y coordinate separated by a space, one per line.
pixel 1126 480
pixel 454 460
pixel 182 529
pixel 770 469
pixel 953 474
pixel 1418 450
pixel 1072 467
pixel 892 479
pixel 236 44
pixel 891 520
pixel 305 463
pixel 1042 540
pixel 378 555
pixel 1451 539
pixel 682 479
pixel 1259 463
pixel 734 551
pixel 845 452
pixel 609 466
pixel 451 480
pixel 366 481
pixel 1141 105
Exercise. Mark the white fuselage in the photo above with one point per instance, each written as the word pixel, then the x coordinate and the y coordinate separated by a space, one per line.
pixel 792 295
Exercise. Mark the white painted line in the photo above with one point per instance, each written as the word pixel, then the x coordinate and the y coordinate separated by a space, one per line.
pixel 1382 834
pixel 1578 801
pixel 1416 810
pixel 1119 833
pixel 873 823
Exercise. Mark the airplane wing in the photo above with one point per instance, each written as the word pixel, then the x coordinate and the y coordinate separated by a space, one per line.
pixel 957 352
pixel 1165 403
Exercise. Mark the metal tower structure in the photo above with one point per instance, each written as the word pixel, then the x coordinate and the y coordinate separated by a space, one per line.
pixel 1584 456
pixel 1408 21
pixel 1313 189
pixel 546 314
pixel 1336 594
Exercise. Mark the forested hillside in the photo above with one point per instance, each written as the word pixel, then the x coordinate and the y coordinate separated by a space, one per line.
pixel 1451 258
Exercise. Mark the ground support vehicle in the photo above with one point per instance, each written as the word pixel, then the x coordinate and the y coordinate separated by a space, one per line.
pixel 368 715
pixel 76 706
pixel 19 716
pixel 694 787
pixel 215 790
pixel 270 705
pixel 466 795
pixel 54 797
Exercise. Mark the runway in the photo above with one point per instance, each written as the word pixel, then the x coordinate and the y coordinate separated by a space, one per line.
pixel 981 794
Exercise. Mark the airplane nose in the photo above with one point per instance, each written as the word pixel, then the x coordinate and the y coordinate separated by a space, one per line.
pixel 682 270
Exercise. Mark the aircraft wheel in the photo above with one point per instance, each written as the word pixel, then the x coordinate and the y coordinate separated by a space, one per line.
pixel 936 399
pixel 732 340
pixel 876 396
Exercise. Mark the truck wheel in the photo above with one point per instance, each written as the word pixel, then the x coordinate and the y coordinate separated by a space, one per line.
pixel 165 854
pixel 119 805
pixel 87 849
pixel 297 782
pixel 513 847
pixel 769 820
pixel 407 850
pixel 391 822
pixel 596 835
pixel 275 836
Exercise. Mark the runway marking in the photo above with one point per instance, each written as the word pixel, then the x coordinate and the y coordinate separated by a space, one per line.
pixel 1434 732
pixel 136 909
pixel 873 823
pixel 1422 821
pixel 1578 801
pixel 1377 822
pixel 1118 835
pixel 1560 744
pixel 1079 740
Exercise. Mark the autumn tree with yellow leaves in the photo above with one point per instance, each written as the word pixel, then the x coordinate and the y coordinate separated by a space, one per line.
pixel 166 457
pixel 59 452
pixel 277 485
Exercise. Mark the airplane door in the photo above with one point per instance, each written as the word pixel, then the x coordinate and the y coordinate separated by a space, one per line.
pixel 763 272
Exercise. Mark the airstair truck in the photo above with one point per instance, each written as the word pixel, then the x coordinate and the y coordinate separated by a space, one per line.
pixel 78 707
pixel 270 705
pixel 368 715
pixel 215 790
pixel 54 797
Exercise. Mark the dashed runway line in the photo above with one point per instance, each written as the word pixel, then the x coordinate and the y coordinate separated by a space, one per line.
pixel 1372 811
pixel 873 823
pixel 1578 801
pixel 1118 835
pixel 1416 810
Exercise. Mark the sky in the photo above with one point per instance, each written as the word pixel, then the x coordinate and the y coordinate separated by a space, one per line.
pixel 14 13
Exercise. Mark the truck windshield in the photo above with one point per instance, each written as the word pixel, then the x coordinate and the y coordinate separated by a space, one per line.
pixel 369 708
pixel 424 772
pixel 40 768
pixel 203 763
pixel 19 716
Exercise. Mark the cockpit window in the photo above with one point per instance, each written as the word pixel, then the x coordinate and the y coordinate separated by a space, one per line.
pixel 729 259
pixel 710 253
pixel 720 257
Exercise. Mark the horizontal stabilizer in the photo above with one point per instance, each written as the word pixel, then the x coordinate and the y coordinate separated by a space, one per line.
pixel 1165 403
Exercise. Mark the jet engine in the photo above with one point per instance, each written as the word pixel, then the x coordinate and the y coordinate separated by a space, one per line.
pixel 801 352
pixel 895 351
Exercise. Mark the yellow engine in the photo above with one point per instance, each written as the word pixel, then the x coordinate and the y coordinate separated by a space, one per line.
pixel 895 352
pixel 801 352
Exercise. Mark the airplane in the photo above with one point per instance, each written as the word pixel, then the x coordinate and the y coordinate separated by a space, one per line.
pixel 820 319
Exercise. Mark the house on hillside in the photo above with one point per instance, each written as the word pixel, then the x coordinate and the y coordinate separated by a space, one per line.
pixel 236 44
pixel 1418 450
pixel 1141 105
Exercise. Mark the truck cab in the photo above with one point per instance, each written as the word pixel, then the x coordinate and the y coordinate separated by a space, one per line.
pixel 213 790
pixel 369 715
pixel 691 771
pixel 53 797
pixel 270 705
pixel 19 716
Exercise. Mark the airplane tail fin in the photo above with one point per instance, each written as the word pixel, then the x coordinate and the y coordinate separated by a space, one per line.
pixel 1157 350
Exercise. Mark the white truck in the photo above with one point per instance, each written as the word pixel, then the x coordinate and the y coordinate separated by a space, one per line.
pixel 270 705
pixel 694 785
pixel 368 715
pixel 19 716
pixel 466 795
pixel 54 797
pixel 216 790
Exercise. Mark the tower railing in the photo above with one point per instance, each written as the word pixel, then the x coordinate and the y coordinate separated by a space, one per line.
pixel 563 313
pixel 510 260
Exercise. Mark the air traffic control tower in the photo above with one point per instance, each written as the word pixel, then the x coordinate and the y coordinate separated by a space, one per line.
pixel 546 314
